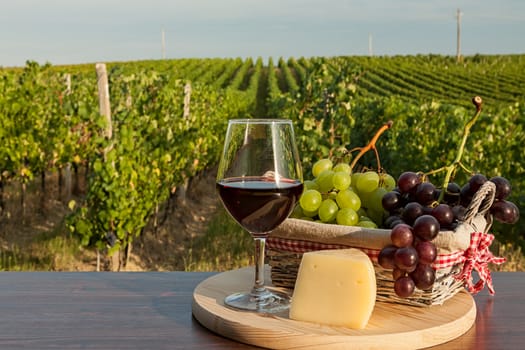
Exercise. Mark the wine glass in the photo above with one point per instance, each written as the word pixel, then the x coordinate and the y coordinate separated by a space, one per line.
pixel 259 181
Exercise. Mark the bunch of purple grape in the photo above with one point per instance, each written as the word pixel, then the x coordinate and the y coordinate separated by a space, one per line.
pixel 414 197
pixel 416 218
pixel 411 254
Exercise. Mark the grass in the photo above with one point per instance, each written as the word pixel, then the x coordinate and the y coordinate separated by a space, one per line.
pixel 45 253
pixel 513 254
pixel 225 246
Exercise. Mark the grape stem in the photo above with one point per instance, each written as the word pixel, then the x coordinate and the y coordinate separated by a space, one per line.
pixel 371 146
pixel 451 168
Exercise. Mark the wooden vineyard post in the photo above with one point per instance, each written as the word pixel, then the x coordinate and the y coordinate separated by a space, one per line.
pixel 62 178
pixel 103 98
pixel 187 99
pixel 67 183
pixel 105 110
pixel 23 201
pixel 181 190
pixel 67 172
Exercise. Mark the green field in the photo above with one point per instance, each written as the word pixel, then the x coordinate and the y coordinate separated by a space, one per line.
pixel 48 127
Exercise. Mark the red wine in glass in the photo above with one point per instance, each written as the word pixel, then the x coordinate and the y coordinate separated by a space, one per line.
pixel 259 204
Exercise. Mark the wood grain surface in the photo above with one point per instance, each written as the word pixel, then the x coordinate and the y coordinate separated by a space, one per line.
pixel 153 310
pixel 392 326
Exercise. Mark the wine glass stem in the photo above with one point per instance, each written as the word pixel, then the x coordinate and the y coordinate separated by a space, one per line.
pixel 258 287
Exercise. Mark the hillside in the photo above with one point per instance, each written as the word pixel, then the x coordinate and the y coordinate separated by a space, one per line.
pixel 51 122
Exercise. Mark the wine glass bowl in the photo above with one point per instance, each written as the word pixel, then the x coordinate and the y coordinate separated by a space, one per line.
pixel 259 181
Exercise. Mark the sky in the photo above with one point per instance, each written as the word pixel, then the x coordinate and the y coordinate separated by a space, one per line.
pixel 86 31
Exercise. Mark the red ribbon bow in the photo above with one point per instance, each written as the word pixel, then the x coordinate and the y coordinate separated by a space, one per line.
pixel 477 257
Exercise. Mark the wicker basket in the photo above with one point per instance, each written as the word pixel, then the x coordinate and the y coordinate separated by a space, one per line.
pixel 286 245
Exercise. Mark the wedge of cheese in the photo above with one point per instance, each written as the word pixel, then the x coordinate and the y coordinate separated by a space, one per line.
pixel 335 287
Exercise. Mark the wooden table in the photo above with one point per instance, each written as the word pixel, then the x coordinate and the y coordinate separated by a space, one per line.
pixel 152 310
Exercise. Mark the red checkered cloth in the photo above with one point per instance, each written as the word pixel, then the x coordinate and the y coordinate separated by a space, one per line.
pixel 477 257
pixel 296 246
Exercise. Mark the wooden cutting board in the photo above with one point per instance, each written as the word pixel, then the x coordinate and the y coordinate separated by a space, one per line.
pixel 392 326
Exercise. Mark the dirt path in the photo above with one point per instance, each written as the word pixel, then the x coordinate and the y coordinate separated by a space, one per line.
pixel 187 218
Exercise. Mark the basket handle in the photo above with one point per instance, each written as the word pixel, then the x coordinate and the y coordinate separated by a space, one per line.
pixel 481 202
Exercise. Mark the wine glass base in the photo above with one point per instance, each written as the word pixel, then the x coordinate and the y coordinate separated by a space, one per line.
pixel 264 302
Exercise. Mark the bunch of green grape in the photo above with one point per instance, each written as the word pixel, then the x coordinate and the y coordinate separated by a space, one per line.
pixel 336 195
